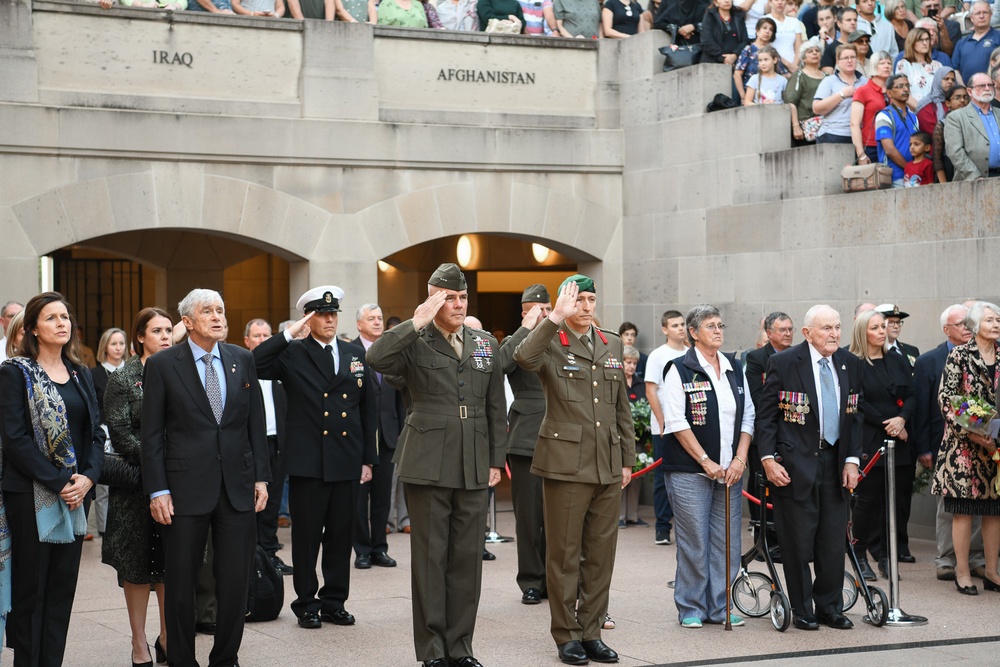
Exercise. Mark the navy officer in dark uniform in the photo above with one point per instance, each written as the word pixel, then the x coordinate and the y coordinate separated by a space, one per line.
pixel 332 412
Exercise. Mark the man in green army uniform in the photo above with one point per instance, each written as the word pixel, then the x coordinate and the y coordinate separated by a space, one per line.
pixel 448 454
pixel 584 448
pixel 524 419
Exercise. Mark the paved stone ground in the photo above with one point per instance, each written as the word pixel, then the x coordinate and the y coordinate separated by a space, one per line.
pixel 960 630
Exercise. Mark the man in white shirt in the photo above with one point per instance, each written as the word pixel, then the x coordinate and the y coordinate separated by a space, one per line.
pixel 881 30
pixel 672 323
pixel 10 309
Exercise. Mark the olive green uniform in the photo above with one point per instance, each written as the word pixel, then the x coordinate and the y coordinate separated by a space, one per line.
pixel 524 419
pixel 452 437
pixel 584 440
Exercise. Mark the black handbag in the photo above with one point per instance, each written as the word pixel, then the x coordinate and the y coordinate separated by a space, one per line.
pixel 676 57
pixel 119 472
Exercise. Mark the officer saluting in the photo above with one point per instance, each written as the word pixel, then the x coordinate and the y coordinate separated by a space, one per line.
pixel 449 452
pixel 585 447
pixel 331 414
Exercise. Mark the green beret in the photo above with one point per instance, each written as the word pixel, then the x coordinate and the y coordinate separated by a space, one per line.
pixel 448 276
pixel 586 284
pixel 535 294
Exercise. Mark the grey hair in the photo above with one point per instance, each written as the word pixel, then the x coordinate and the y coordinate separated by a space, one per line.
pixel 696 316
pixel 975 315
pixel 630 352
pixel 256 320
pixel 874 59
pixel 811 314
pixel 3 311
pixel 948 311
pixel 775 317
pixel 364 309
pixel 284 325
pixel 198 297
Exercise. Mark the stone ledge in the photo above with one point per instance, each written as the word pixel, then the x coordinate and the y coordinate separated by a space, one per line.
pixel 147 14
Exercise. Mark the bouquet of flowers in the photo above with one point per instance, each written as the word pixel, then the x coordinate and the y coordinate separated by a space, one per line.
pixel 974 414
pixel 643 443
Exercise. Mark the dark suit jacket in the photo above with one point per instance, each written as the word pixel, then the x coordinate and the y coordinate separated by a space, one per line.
pixel 756 367
pixel 797 444
pixel 927 428
pixel 184 450
pixel 23 462
pixel 280 398
pixel 332 416
pixel 391 413
pixel 526 412
pixel 882 395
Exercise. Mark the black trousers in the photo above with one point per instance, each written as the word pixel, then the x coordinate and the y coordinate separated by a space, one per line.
pixel 526 494
pixel 234 535
pixel 42 587
pixel 815 529
pixel 373 507
pixel 267 518
pixel 871 511
pixel 322 518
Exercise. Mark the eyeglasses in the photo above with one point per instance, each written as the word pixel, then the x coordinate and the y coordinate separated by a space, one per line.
pixel 891 323
pixel 714 327
pixel 982 86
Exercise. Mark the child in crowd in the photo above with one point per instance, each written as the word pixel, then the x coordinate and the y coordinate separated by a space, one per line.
pixel 919 170
pixel 766 86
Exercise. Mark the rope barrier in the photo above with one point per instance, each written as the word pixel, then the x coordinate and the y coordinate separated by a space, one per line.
pixel 654 464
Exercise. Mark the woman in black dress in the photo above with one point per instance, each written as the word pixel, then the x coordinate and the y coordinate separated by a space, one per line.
pixel 890 399
pixel 53 451
pixel 132 541
pixel 110 357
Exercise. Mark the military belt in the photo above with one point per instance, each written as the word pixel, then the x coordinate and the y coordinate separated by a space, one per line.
pixel 460 411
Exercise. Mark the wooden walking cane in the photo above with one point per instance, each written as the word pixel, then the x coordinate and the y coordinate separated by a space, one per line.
pixel 729 588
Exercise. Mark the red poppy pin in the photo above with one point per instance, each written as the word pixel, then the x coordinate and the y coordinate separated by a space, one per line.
pixel 899 402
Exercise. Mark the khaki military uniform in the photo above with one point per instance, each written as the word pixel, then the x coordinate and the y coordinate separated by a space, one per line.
pixel 452 437
pixel 524 419
pixel 584 440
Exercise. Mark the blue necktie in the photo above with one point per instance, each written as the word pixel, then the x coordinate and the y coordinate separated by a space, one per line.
pixel 828 391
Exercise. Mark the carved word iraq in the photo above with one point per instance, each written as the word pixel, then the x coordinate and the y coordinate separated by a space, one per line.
pixel 166 58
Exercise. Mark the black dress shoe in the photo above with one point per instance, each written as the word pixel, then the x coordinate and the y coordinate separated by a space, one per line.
pixel 867 573
pixel 281 566
pixel 990 586
pixel 363 562
pixel 967 590
pixel 836 621
pixel 205 628
pixel 487 555
pixel 572 653
pixel 161 655
pixel 310 621
pixel 531 596
pixel 906 557
pixel 339 617
pixel 436 662
pixel 381 559
pixel 148 663
pixel 598 651
pixel 883 567
pixel 466 661
pixel 806 622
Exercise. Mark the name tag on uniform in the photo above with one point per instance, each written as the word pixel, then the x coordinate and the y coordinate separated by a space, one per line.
pixel 571 368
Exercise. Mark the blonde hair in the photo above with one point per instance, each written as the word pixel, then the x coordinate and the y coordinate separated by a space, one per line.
pixel 859 336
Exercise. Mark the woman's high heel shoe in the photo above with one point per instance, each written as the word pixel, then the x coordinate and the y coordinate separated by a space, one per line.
pixel 161 655
pixel 969 590
pixel 148 663
pixel 990 586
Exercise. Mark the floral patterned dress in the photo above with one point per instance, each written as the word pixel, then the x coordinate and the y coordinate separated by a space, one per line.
pixel 920 76
pixel 132 542
pixel 964 471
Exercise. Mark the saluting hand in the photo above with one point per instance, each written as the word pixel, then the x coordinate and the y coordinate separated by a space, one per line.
pixel 425 312
pixel 301 326
pixel 532 318
pixel 566 305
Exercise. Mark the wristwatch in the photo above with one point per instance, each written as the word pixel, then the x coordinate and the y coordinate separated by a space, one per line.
pixel 703 457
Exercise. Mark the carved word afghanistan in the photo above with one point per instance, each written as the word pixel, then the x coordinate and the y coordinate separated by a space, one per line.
pixel 486 76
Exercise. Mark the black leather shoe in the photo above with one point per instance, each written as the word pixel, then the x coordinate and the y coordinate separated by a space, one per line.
pixel 363 562
pixel 466 661
pixel 161 655
pixel 775 553
pixel 339 617
pixel 487 555
pixel 806 622
pixel 572 653
pixel 381 559
pixel 866 570
pixel 906 558
pixel 990 586
pixel 598 651
pixel 205 628
pixel 436 662
pixel 883 567
pixel 531 596
pixel 836 621
pixel 967 590
pixel 281 566
pixel 310 621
